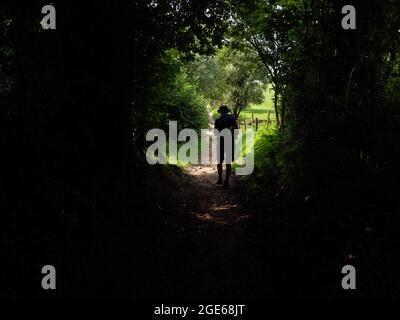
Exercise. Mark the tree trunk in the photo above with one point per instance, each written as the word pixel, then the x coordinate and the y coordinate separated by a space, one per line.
pixel 282 114
pixel 278 123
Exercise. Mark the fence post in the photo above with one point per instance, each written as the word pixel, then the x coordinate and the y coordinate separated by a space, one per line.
pixel 256 124
pixel 268 118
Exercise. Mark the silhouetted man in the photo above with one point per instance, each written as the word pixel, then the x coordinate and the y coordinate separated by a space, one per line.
pixel 225 121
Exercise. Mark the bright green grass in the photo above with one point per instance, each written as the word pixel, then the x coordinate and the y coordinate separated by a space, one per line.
pixel 260 111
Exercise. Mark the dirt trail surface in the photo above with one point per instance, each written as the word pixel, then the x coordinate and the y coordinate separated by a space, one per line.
pixel 206 247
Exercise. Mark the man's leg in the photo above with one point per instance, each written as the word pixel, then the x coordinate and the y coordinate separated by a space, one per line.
pixel 220 158
pixel 219 168
pixel 229 159
pixel 227 174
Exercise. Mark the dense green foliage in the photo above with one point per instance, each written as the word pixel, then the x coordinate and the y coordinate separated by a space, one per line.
pixel 174 97
pixel 333 86
pixel 75 107
pixel 230 77
pixel 335 156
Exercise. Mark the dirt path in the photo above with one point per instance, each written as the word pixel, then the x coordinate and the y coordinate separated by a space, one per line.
pixel 206 248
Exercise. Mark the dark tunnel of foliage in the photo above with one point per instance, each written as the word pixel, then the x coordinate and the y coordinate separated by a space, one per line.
pixel 76 104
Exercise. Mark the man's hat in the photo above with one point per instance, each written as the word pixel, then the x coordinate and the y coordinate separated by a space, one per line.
pixel 223 109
